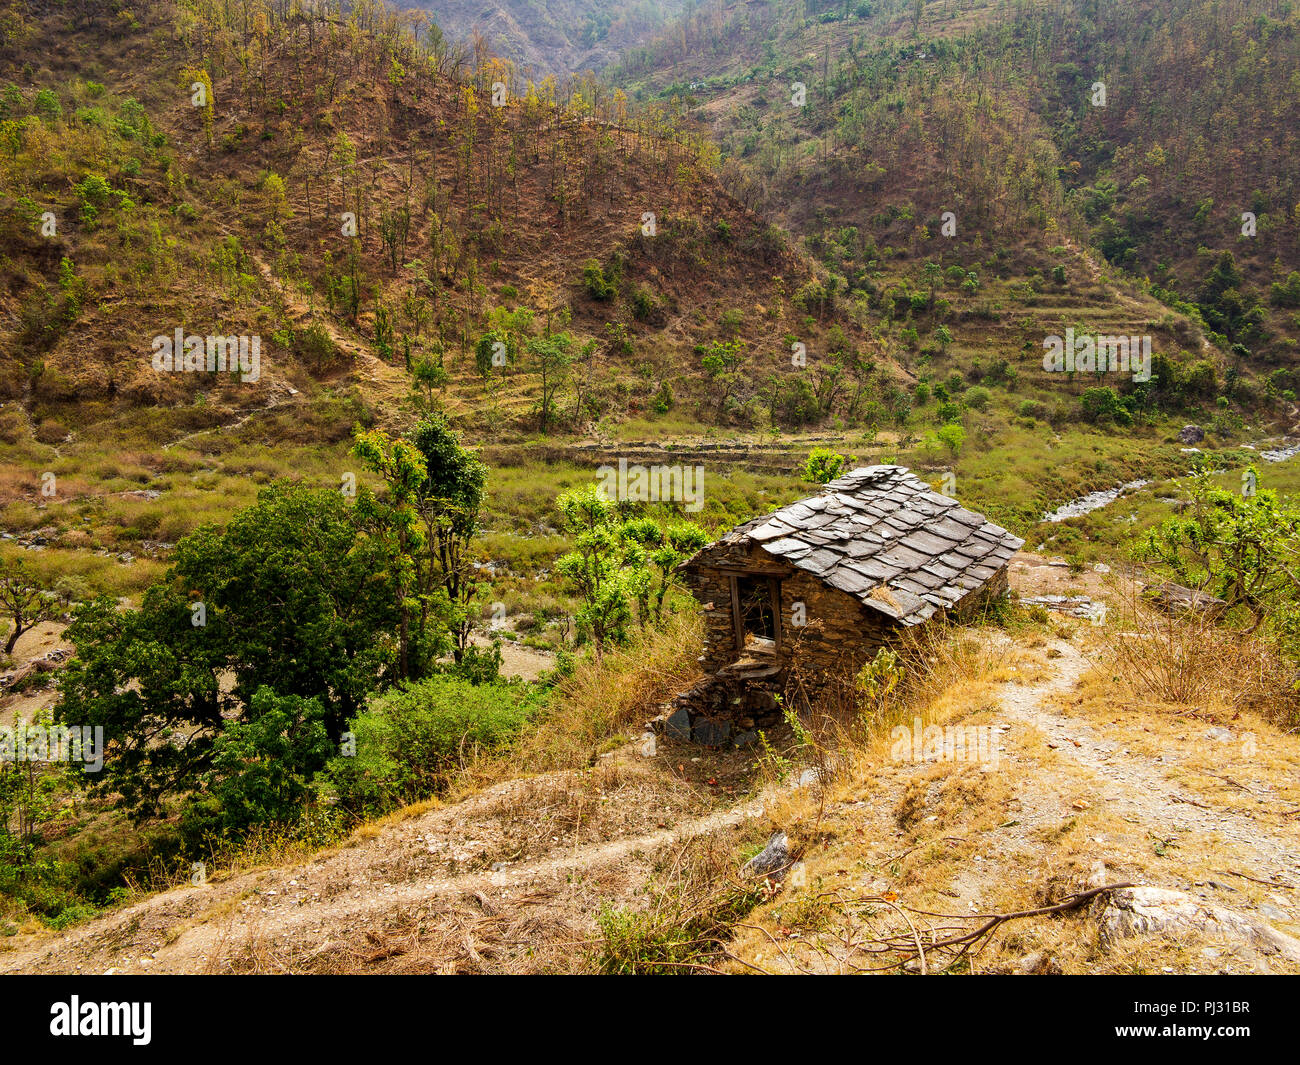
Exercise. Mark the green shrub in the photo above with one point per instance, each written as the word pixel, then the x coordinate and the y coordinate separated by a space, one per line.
pixel 316 347
pixel 412 741
pixel 824 465
pixel 646 306
pixel 262 766
pixel 663 399
pixel 600 286
pixel 1101 405
pixel 952 437
pixel 47 106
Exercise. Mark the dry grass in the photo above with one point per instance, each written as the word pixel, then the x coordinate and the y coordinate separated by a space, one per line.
pixel 1193 660
pixel 690 906
pixel 595 708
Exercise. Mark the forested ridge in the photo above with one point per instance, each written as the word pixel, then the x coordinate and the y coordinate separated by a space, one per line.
pixel 555 37
pixel 988 110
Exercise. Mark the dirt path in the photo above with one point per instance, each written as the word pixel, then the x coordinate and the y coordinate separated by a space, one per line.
pixel 1140 787
pixel 333 911
pixel 1084 784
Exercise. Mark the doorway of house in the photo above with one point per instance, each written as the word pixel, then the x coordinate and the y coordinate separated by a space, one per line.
pixel 757 599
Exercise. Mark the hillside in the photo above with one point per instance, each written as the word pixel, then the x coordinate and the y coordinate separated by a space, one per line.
pixel 992 111
pixel 254 198
pixel 556 39
pixel 604 870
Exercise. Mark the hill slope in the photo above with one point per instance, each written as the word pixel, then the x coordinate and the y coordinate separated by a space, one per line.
pixel 552 39
pixel 992 111
pixel 578 872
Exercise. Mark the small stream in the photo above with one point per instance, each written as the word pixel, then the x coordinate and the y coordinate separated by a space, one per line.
pixel 1096 500
pixel 1281 454
pixel 1092 501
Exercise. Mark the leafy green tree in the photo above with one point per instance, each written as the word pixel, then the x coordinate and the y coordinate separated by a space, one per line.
pixel 436 493
pixel 600 285
pixel 428 375
pixel 296 594
pixel 47 106
pixel 25 601
pixel 495 350
pixel 262 766
pixel 595 567
pixel 402 467
pixel 152 681
pixel 662 550
pixel 451 505
pixel 952 436
pixel 1225 300
pixel 551 358
pixel 1245 549
pixel 621 569
pixel 1103 404
pixel 823 465
pixel 722 361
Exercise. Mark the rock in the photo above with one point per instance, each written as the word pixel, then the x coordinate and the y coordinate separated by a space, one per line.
pixel 744 739
pixel 1175 599
pixel 1158 911
pixel 1101 567
pixel 772 860
pixel 1191 434
pixel 678 725
pixel 1036 964
pixel 711 733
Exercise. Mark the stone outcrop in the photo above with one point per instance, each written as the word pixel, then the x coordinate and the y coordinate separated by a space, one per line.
pixel 1136 911
pixel 1175 599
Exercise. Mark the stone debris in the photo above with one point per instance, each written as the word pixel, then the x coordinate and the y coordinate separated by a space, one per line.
pixel 1175 599
pixel 1079 606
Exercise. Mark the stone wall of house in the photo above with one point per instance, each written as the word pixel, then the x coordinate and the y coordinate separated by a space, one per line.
pixel 839 632
pixel 722 711
pixel 839 635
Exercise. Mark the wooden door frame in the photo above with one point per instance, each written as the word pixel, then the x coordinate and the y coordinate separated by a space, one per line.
pixel 737 620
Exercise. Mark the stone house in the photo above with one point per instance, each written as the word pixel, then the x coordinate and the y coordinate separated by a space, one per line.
pixel 825 582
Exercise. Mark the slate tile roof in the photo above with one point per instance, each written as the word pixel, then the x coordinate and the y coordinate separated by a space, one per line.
pixel 882 535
